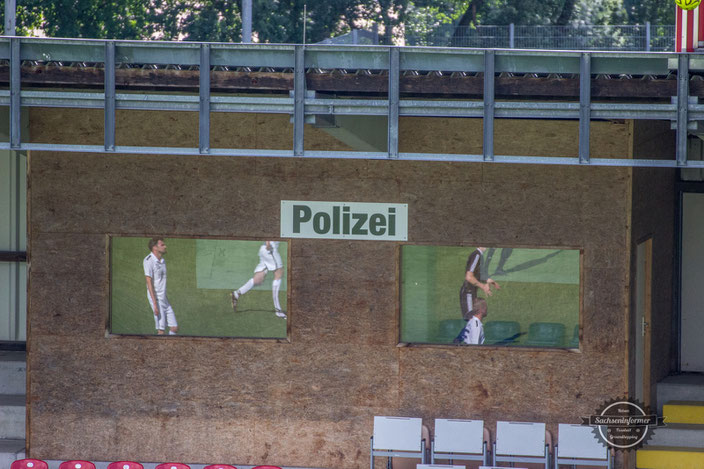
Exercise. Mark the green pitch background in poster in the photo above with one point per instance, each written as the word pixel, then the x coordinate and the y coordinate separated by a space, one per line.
pixel 201 273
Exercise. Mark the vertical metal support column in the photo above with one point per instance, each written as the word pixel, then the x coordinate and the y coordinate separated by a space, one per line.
pixel 488 145
pixel 247 21
pixel 647 36
pixel 10 17
pixel 15 89
pixel 299 99
pixel 109 106
pixel 394 93
pixel 585 98
pixel 682 108
pixel 511 36
pixel 204 109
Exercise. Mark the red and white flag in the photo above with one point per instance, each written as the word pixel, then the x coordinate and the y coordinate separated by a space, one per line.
pixel 690 29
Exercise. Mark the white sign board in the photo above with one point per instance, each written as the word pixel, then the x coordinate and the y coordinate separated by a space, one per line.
pixel 344 220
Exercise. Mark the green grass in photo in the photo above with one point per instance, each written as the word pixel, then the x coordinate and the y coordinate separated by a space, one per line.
pixel 538 286
pixel 201 273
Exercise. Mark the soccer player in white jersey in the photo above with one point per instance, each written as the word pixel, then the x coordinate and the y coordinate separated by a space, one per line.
pixel 473 332
pixel 155 274
pixel 269 260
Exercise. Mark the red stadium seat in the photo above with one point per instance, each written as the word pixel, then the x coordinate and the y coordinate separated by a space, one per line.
pixel 29 464
pixel 172 465
pixel 77 464
pixel 125 465
pixel 219 466
pixel 266 467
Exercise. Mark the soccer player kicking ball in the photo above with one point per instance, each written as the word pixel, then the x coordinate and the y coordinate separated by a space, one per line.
pixel 269 260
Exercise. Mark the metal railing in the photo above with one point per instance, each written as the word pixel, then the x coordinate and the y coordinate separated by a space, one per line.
pixel 297 60
pixel 646 37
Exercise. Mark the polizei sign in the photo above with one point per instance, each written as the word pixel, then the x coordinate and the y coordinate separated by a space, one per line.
pixel 344 220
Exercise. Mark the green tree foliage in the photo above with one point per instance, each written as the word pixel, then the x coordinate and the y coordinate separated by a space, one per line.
pixel 655 11
pixel 282 21
pixel 274 21
pixel 84 18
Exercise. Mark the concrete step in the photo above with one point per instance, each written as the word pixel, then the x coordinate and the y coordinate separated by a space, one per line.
pixel 691 412
pixel 11 450
pixel 660 457
pixel 682 387
pixel 678 434
pixel 13 372
pixel 12 416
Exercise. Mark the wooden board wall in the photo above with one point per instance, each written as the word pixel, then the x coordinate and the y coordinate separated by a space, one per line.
pixel 309 402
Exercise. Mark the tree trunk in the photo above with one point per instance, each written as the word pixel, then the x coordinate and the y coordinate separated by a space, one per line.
pixel 566 13
pixel 468 17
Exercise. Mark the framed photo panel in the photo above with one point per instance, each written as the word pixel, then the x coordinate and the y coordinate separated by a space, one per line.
pixel 490 296
pixel 193 281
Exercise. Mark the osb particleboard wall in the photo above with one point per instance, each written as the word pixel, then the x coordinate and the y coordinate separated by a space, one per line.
pixel 653 218
pixel 309 402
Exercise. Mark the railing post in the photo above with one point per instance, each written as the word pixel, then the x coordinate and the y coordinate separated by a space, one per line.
pixel 15 90
pixel 10 17
pixel 511 36
pixel 109 107
pixel 246 21
pixel 204 91
pixel 488 145
pixel 682 108
pixel 647 36
pixel 394 93
pixel 585 94
pixel 299 96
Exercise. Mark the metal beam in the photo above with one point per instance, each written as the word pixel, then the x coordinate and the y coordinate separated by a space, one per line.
pixel 10 17
pixel 246 21
pixel 585 82
pixel 204 107
pixel 109 101
pixel 15 97
pixel 393 105
pixel 682 108
pixel 361 107
pixel 352 155
pixel 299 96
pixel 488 146
pixel 13 256
pixel 359 59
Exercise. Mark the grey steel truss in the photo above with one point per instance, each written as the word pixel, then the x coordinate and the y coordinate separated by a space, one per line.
pixel 682 110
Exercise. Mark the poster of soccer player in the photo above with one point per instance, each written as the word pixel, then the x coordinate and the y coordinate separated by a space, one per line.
pixel 198 287
pixel 476 295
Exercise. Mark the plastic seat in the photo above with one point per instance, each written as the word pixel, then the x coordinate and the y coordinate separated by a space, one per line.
pixel 465 440
pixel 29 464
pixel 77 464
pixel 219 466
pixel 546 334
pixel 171 465
pixel 501 332
pixel 522 442
pixel 397 437
pixel 577 445
pixel 266 467
pixel 125 465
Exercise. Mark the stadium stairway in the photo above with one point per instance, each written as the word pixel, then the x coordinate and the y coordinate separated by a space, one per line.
pixel 679 445
pixel 13 387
